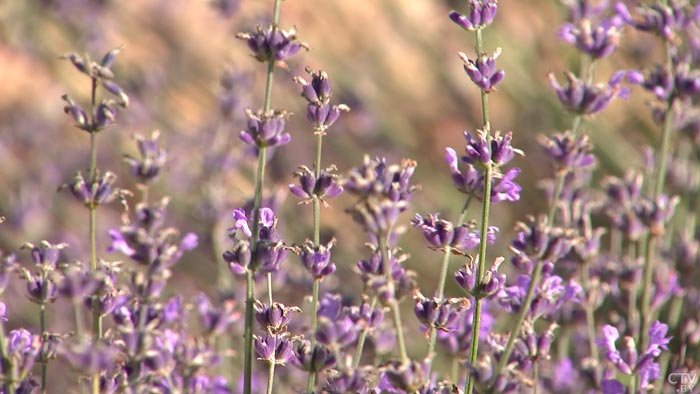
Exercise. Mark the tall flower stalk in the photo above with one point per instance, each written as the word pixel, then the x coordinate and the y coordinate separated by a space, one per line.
pixel 265 129
pixel 97 188
pixel 317 186
pixel 484 74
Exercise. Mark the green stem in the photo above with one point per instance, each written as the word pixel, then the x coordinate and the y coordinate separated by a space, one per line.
pixel 78 315
pixel 96 316
pixel 590 322
pixel 649 255
pixel 311 382
pixel 393 303
pixel 270 377
pixel 362 338
pixel 441 283
pixel 633 384
pixel 248 356
pixel 535 376
pixel 44 337
pixel 481 264
pixel 674 316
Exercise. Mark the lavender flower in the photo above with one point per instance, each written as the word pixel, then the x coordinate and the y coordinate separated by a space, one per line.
pixel 317 359
pixel 440 314
pixel 492 282
pixel 149 165
pixel 269 252
pixel 582 98
pixel 441 233
pixel 215 321
pixel 272 44
pixel 319 112
pixel 568 152
pixel 551 293
pixel 326 186
pixel 274 319
pixel 146 242
pixel 597 39
pixel 628 361
pixel 481 14
pixel 317 259
pixel 681 83
pixel 479 152
pixel 483 71
pixel 665 20
pixel 93 193
pixel 274 348
pixel 265 130
pixel 384 192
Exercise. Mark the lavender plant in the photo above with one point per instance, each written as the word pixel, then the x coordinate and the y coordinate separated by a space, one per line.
pixel 595 292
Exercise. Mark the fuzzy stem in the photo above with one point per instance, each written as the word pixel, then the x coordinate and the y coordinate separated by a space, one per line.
pixel 362 338
pixel 92 229
pixel 311 382
pixel 270 377
pixel 648 270
pixel 481 265
pixel 590 323
pixel 42 330
pixel 393 303
pixel 248 356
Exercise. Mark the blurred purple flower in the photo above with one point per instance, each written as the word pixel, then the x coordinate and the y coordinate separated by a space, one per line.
pixel 481 14
pixel 583 98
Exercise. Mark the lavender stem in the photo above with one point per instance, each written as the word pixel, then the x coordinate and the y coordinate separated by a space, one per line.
pixel 393 303
pixel 481 266
pixel 648 270
pixel 362 338
pixel 92 229
pixel 42 330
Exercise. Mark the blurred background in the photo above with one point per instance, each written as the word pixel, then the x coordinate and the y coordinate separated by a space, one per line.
pixel 394 62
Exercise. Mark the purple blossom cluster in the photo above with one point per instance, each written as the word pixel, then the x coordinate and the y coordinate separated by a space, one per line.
pixel 594 290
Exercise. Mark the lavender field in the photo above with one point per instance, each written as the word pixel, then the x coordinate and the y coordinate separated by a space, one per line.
pixel 341 197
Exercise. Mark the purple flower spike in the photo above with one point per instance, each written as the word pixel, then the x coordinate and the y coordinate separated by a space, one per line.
pixel 326 186
pixel 318 93
pixel 265 130
pixel 597 40
pixel 506 189
pixel 628 360
pixel 664 20
pixel 585 99
pixel 481 14
pixel 317 259
pixel 491 284
pixel 152 158
pixel 483 71
pixel 272 44
pixel 274 348
pixel 274 319
pixel 439 314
